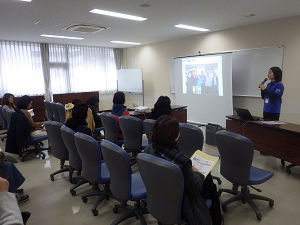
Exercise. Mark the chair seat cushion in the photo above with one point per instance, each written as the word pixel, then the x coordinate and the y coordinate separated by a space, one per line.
pixel 258 176
pixel 105 176
pixel 39 138
pixel 138 189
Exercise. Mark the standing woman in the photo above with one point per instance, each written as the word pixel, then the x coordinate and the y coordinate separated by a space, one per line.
pixel 272 93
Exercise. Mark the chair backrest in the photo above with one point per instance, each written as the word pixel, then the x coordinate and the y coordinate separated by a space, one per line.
pixel 132 129
pixel 165 184
pixel 67 135
pixel 148 127
pixel 61 112
pixel 90 154
pixel 58 148
pixel 3 118
pixel 48 108
pixel 109 123
pixel 8 116
pixel 55 112
pixel 236 153
pixel 190 139
pixel 118 164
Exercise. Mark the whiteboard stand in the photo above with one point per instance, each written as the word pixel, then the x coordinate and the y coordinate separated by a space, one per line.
pixel 128 92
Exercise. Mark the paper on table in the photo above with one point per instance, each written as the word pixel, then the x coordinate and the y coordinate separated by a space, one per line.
pixel 204 162
pixel 273 122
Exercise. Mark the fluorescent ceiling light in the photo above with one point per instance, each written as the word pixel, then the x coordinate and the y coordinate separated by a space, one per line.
pixel 25 0
pixel 125 42
pixel 64 37
pixel 191 27
pixel 116 14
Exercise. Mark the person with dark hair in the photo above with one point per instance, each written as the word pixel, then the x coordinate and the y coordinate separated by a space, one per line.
pixel 161 107
pixel 89 119
pixel 78 120
pixel 93 104
pixel 25 104
pixel 272 94
pixel 119 109
pixel 8 102
pixel 197 188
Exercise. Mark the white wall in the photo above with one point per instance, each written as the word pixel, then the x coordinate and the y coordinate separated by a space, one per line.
pixel 154 60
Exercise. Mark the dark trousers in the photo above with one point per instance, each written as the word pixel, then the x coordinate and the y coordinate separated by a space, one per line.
pixel 271 116
pixel 209 191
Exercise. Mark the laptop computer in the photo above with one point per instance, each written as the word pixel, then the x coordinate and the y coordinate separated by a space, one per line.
pixel 246 115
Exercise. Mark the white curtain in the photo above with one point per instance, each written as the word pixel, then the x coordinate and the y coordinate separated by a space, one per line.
pixel 81 68
pixel 21 68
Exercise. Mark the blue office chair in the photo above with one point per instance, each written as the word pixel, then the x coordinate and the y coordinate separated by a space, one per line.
pixel 132 129
pixel 48 109
pixel 236 153
pixel 125 185
pixel 109 123
pixel 19 140
pixel 55 112
pixel 58 148
pixel 68 138
pixel 148 127
pixel 191 140
pixel 94 169
pixel 164 203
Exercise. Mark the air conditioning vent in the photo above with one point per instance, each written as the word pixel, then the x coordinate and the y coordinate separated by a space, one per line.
pixel 85 28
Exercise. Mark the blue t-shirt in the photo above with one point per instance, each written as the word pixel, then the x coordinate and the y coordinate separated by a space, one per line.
pixel 272 97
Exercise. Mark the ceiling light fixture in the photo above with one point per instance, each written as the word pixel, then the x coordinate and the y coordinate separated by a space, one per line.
pixel 63 37
pixel 116 14
pixel 25 0
pixel 191 27
pixel 125 42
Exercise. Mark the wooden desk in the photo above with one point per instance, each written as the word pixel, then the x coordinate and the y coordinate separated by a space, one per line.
pixel 178 111
pixel 281 141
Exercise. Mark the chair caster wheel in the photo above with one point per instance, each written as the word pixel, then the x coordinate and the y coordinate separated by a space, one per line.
pixel 84 199
pixel 73 193
pixel 288 170
pixel 271 204
pixel 243 201
pixel 52 178
pixel 258 216
pixel 219 182
pixel 116 209
pixel 95 212
pixel 282 162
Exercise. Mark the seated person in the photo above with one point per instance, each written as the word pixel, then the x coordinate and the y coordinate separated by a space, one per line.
pixel 10 172
pixel 78 120
pixel 119 109
pixel 8 102
pixel 197 188
pixel 25 104
pixel 89 119
pixel 93 104
pixel 161 107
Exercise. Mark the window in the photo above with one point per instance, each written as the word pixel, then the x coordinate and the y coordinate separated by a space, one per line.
pixel 78 69
pixel 32 68
pixel 21 69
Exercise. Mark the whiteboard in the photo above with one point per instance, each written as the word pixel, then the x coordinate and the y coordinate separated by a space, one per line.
pixel 250 67
pixel 130 80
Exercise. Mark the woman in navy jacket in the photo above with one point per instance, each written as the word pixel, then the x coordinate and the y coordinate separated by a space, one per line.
pixel 272 93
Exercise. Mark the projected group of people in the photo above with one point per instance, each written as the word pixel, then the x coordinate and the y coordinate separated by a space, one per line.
pixel 205 82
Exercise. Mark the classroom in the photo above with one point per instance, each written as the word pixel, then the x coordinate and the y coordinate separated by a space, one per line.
pixel 149 112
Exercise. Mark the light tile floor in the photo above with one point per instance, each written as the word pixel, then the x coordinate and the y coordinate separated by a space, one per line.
pixel 51 203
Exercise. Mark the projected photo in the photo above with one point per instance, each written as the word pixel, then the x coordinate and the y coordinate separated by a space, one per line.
pixel 202 75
